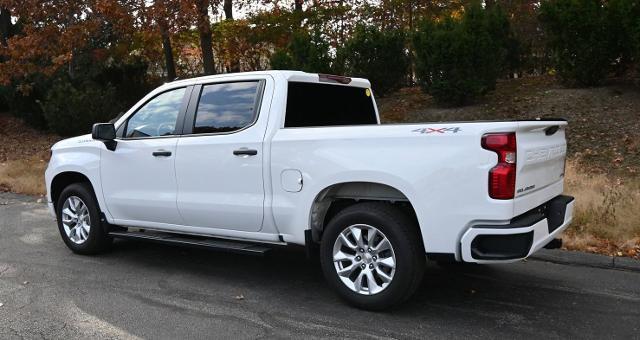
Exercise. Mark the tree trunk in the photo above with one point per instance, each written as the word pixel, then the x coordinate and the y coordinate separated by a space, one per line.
pixel 234 64
pixel 168 52
pixel 342 19
pixel 412 64
pixel 228 9
pixel 204 29
pixel 298 4
pixel 5 26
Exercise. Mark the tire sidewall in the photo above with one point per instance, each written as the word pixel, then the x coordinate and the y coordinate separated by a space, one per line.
pixel 402 279
pixel 96 232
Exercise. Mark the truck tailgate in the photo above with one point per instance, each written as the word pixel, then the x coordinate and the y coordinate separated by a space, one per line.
pixel 542 149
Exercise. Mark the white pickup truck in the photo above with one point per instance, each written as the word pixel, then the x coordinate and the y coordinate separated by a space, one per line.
pixel 251 161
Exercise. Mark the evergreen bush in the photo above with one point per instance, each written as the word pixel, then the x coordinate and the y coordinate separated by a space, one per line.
pixel 579 36
pixel 380 56
pixel 458 60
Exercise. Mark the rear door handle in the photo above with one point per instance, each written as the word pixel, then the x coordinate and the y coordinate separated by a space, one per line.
pixel 245 152
pixel 161 153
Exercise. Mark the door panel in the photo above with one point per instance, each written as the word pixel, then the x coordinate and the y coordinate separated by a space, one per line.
pixel 138 177
pixel 219 171
pixel 216 188
pixel 139 186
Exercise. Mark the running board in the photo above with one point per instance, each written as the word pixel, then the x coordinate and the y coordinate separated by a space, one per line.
pixel 193 241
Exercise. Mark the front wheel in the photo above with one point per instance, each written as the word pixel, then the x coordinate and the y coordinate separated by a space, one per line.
pixel 372 255
pixel 79 220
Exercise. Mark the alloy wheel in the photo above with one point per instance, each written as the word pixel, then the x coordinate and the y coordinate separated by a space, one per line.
pixel 364 259
pixel 76 220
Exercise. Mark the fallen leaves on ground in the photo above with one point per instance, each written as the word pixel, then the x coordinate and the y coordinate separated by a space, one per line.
pixel 19 141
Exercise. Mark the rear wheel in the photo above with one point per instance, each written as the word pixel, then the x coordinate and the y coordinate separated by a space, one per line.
pixel 79 220
pixel 372 255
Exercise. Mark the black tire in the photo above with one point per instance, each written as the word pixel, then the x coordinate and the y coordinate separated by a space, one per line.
pixel 98 239
pixel 403 234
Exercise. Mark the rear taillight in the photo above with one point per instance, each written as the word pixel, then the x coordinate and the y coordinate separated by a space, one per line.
pixel 502 177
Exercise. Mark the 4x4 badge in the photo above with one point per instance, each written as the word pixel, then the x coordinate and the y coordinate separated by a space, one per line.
pixel 438 130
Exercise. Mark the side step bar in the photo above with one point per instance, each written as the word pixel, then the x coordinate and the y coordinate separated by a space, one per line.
pixel 193 241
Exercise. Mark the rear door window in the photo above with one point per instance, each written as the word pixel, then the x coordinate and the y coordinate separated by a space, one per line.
pixel 226 107
pixel 313 104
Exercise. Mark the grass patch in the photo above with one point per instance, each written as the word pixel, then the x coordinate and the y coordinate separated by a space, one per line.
pixel 24 176
pixel 606 217
pixel 24 153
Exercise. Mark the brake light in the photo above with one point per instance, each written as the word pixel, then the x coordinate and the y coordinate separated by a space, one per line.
pixel 327 78
pixel 502 177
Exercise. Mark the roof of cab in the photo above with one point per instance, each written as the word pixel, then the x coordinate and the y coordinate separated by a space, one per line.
pixel 298 76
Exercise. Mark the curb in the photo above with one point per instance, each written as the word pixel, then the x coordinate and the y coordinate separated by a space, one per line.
pixel 587 259
pixel 9 198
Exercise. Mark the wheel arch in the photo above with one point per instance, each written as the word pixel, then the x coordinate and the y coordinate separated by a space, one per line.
pixel 336 197
pixel 63 180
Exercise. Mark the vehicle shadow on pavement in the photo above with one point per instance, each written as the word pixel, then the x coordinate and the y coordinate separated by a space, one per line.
pixel 520 298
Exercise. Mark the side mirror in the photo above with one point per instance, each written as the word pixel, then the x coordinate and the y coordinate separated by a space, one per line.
pixel 106 133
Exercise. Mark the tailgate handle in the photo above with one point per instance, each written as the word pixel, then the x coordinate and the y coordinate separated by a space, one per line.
pixel 551 130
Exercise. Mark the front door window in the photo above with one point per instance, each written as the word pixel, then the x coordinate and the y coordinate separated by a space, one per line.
pixel 158 117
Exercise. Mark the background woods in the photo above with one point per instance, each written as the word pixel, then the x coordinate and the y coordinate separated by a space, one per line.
pixel 56 56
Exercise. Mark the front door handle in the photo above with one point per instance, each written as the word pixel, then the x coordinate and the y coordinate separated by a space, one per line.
pixel 245 152
pixel 161 153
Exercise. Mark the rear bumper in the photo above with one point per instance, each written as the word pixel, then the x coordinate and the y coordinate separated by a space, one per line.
pixel 523 236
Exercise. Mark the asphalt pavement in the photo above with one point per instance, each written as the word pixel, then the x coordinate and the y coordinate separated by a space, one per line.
pixel 143 290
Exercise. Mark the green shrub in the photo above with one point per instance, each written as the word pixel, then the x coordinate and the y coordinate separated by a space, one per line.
pixel 130 80
pixel 499 28
pixel 59 102
pixel 71 110
pixel 579 38
pixel 458 60
pixel 23 99
pixel 307 52
pixel 4 92
pixel 623 20
pixel 380 56
pixel 281 60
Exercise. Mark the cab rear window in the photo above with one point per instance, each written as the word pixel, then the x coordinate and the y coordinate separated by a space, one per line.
pixel 312 104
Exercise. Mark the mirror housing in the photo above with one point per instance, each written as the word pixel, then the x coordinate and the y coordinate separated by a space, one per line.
pixel 106 133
